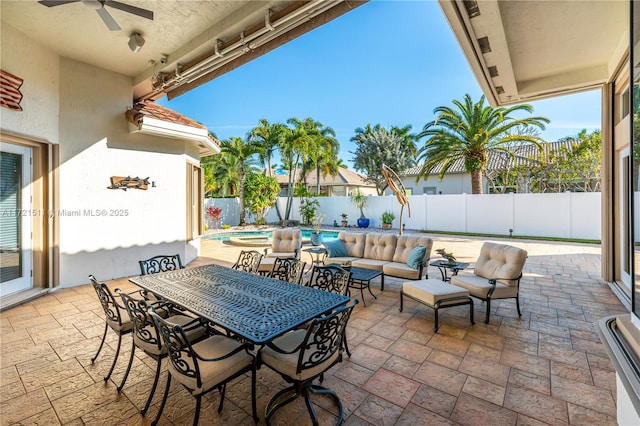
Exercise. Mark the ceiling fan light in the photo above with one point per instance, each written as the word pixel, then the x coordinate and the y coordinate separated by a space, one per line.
pixel 136 41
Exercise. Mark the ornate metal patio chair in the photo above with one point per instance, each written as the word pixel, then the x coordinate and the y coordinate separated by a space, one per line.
pixel 496 275
pixel 116 319
pixel 331 278
pixel 248 261
pixel 147 337
pixel 204 366
pixel 287 269
pixel 302 356
pixel 162 263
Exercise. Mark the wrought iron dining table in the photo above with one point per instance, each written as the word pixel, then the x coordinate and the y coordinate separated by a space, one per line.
pixel 255 307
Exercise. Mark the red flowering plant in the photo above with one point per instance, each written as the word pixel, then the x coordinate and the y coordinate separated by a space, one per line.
pixel 215 213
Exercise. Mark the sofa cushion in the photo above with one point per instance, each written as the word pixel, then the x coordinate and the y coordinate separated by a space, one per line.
pixel 354 242
pixel 416 257
pixel 369 263
pixel 335 248
pixel 500 261
pixel 479 286
pixel 380 246
pixel 406 243
pixel 400 270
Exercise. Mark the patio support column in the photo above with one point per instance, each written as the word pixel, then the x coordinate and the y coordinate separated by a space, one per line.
pixel 608 238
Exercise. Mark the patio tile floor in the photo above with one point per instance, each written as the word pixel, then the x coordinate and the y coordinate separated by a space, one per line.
pixel 546 367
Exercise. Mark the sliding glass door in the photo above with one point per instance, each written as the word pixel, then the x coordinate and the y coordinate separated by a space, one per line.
pixel 15 219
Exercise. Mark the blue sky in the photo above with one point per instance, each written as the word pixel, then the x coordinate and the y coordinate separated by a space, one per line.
pixel 386 62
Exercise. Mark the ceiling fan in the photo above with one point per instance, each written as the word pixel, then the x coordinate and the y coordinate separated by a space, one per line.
pixel 99 6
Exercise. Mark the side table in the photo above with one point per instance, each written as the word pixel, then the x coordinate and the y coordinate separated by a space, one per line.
pixel 444 266
pixel 317 255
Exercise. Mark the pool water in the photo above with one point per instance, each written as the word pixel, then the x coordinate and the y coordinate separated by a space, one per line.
pixel 306 234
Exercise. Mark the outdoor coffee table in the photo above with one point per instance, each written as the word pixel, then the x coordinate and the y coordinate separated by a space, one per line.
pixel 444 266
pixel 361 279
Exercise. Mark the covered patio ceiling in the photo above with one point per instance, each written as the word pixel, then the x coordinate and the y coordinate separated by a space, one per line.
pixel 525 50
pixel 186 44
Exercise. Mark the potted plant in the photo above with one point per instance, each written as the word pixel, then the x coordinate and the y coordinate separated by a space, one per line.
pixel 360 201
pixel 316 236
pixel 344 220
pixel 387 219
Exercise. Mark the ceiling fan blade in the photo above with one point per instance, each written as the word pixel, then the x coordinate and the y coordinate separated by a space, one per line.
pixel 52 3
pixel 130 9
pixel 108 20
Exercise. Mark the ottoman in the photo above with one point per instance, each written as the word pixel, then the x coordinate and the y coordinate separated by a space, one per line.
pixel 436 294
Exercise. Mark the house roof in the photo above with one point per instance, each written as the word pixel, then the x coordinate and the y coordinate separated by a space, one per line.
pixel 344 177
pixel 149 117
pixel 523 154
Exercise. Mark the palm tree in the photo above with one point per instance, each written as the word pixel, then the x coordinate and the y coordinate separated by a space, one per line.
pixel 294 147
pixel 322 153
pixel 243 151
pixel 269 136
pixel 470 133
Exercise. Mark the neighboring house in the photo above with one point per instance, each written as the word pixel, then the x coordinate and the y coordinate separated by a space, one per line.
pixel 457 181
pixel 77 118
pixel 346 182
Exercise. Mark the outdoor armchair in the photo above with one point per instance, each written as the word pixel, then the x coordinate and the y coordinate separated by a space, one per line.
pixel 496 275
pixel 284 243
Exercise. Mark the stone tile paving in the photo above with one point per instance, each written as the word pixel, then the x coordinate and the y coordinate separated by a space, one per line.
pixel 546 367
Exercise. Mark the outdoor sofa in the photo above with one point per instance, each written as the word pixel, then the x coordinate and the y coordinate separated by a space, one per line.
pixel 401 256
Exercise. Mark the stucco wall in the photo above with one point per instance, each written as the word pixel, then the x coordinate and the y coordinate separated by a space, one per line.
pixel 40 70
pixel 102 232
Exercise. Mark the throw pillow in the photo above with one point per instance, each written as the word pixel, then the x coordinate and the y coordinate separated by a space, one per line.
pixel 335 248
pixel 416 256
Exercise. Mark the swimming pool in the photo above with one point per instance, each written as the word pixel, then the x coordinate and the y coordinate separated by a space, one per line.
pixel 255 235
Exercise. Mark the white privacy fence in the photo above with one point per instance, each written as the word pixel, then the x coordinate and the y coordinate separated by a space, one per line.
pixel 563 215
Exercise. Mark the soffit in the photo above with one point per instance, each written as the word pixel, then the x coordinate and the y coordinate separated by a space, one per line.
pixel 183 31
pixel 540 48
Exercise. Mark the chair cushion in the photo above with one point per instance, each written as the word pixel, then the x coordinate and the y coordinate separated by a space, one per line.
pixel 287 363
pixel 479 286
pixel 275 254
pixel 500 261
pixel 212 372
pixel 335 248
pixel 400 270
pixel 126 325
pixel 266 264
pixel 431 291
pixel 286 240
pixel 416 257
